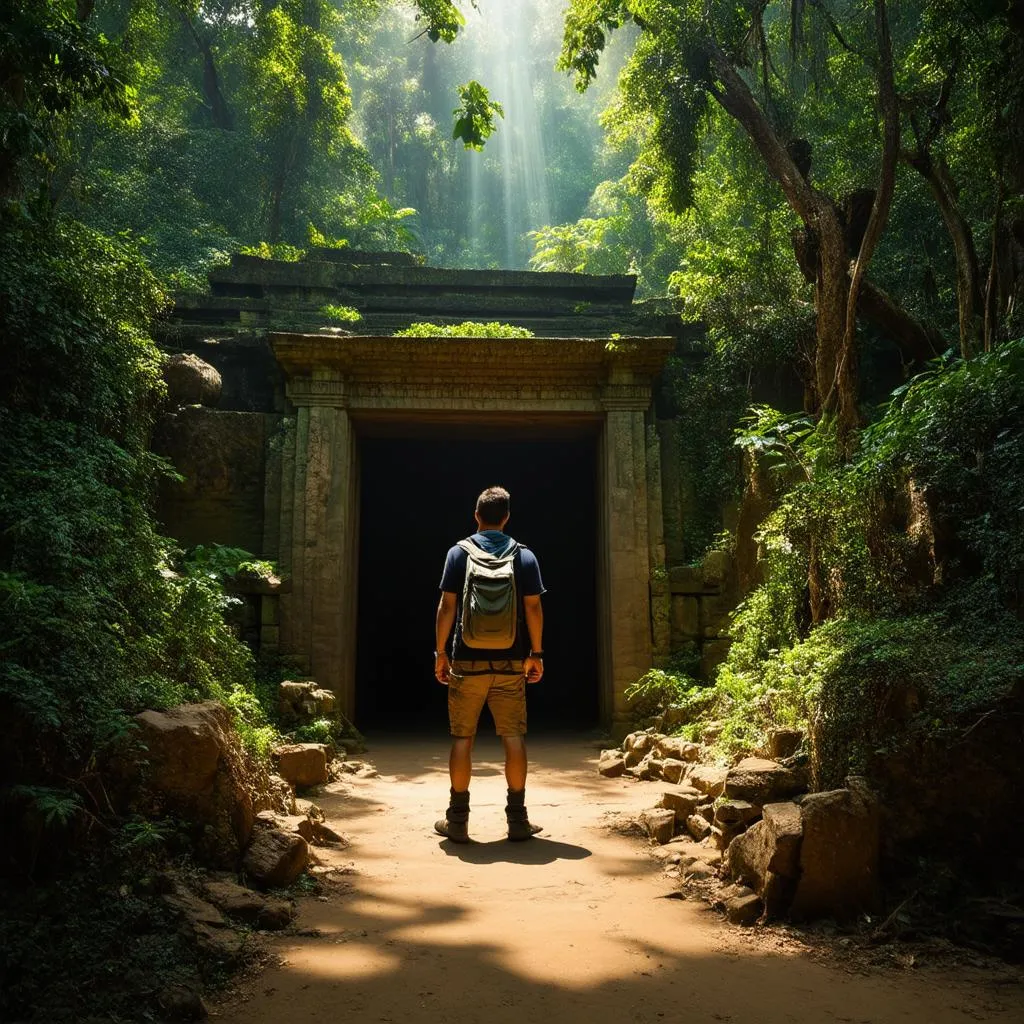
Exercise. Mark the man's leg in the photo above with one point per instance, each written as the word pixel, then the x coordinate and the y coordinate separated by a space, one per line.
pixel 515 761
pixel 466 696
pixel 507 701
pixel 460 763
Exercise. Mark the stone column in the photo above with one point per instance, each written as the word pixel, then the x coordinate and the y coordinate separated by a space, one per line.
pixel 661 598
pixel 318 511
pixel 627 579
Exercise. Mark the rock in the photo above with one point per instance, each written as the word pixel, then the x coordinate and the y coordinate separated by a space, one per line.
pixel 767 856
pixel 673 771
pixel 699 869
pixel 707 811
pixel 677 748
pixel 743 910
pixel 682 800
pixel 304 701
pixel 641 742
pixel 204 924
pixel 710 731
pixel 192 909
pixel 611 764
pixel 190 380
pixel 632 758
pixel 323 833
pixel 302 764
pixel 730 813
pixel 708 779
pixel 297 823
pixel 281 796
pixel 715 568
pixel 659 823
pixel 187 762
pixel 698 826
pixel 761 781
pixel 275 857
pixel 783 743
pixel 839 855
pixel 179 1002
pixel 649 769
pixel 250 907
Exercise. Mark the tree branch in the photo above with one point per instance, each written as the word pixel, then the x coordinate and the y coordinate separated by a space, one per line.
pixel 883 197
pixel 736 99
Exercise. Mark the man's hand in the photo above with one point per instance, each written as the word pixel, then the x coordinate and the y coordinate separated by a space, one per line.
pixel 442 668
pixel 533 669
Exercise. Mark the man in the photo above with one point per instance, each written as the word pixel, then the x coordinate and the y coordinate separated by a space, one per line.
pixel 497 676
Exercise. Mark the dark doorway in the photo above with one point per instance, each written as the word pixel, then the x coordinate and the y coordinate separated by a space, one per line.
pixel 416 500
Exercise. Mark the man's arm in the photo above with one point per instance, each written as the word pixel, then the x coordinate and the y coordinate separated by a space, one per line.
pixel 442 630
pixel 534 667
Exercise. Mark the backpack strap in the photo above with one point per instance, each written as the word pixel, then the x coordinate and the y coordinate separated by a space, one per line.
pixel 486 558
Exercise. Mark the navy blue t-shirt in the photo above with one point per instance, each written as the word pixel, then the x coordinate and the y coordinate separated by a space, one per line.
pixel 528 584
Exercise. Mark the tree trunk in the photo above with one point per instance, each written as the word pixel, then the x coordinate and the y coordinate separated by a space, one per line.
pixel 968 275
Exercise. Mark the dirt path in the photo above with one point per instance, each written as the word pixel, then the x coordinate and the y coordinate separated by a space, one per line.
pixel 569 926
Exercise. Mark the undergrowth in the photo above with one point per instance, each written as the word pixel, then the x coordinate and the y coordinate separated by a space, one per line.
pixel 889 608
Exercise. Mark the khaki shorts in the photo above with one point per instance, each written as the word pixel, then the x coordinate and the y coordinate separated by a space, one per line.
pixel 500 685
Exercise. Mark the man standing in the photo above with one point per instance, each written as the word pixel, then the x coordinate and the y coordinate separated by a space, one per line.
pixel 490 592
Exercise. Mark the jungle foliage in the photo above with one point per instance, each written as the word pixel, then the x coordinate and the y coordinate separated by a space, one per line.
pixel 843 196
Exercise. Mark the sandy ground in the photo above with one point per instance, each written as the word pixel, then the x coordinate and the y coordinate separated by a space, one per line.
pixel 572 925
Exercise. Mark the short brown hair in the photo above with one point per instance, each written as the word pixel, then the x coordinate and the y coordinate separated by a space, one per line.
pixel 492 505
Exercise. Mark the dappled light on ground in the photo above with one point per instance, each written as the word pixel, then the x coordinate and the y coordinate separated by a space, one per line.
pixel 571 925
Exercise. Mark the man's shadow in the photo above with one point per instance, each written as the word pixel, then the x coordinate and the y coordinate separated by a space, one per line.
pixel 501 851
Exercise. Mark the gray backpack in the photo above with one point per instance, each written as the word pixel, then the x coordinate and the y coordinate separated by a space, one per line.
pixel 490 606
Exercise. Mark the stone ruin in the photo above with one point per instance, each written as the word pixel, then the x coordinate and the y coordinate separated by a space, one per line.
pixel 269 402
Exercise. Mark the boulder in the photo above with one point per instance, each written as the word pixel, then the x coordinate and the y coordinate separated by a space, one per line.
pixel 698 826
pixel 302 764
pixel 708 778
pixel 743 910
pixel 673 771
pixel 761 781
pixel 682 800
pixel 677 748
pixel 631 758
pixel 300 824
pixel 249 907
pixel 707 810
pixel 275 858
pixel 190 380
pixel 640 743
pixel 839 855
pixel 324 834
pixel 204 924
pixel 649 769
pixel 731 813
pixel 767 856
pixel 304 701
pixel 187 762
pixel 611 764
pixel 281 796
pixel 179 1002
pixel 659 823
pixel 783 743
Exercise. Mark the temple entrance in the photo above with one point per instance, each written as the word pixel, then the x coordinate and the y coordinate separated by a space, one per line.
pixel 418 485
pixel 376 416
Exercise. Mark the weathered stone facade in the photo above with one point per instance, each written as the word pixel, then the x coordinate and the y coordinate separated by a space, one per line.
pixel 295 404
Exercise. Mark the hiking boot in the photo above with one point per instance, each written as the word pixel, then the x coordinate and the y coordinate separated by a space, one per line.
pixel 519 827
pixel 455 824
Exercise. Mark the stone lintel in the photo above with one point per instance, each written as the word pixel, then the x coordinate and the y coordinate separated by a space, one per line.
pixel 490 361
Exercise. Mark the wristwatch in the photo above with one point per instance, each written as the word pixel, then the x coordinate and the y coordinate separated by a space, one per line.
pixel 536 654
